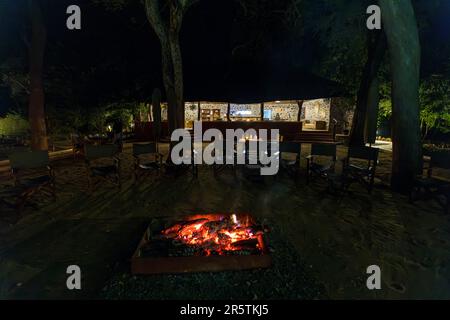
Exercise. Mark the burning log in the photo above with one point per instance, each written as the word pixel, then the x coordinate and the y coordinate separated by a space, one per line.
pixel 250 244
pixel 208 242
pixel 175 229
pixel 220 236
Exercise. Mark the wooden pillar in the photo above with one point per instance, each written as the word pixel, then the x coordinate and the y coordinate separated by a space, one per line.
pixel 300 105
pixel 299 115
pixel 262 111
pixel 228 112
pixel 199 111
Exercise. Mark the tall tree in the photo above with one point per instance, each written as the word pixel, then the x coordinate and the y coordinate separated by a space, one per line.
pixel 166 18
pixel 36 109
pixel 400 26
pixel 376 48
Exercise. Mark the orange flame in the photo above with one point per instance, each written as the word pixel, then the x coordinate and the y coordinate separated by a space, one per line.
pixel 214 233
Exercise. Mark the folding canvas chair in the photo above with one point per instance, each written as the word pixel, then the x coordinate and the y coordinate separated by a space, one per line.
pixel 253 165
pixel 431 187
pixel 77 145
pixel 323 169
pixel 364 168
pixel 143 165
pixel 186 157
pixel 102 163
pixel 32 175
pixel 290 165
pixel 225 160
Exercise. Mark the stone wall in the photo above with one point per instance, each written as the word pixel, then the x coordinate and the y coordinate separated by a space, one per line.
pixel 255 109
pixel 312 110
pixel 191 111
pixel 283 111
pixel 317 110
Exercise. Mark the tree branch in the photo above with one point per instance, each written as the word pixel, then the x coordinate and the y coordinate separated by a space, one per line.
pixel 153 12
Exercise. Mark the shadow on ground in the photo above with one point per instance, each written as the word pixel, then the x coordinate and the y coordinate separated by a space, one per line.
pixel 322 244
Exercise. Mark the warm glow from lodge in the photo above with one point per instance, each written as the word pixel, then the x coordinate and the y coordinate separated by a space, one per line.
pixel 314 114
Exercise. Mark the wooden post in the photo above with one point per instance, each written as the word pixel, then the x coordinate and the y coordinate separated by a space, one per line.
pixel 299 115
pixel 262 111
pixel 300 105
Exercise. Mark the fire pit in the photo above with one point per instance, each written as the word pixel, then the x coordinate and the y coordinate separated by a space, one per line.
pixel 209 242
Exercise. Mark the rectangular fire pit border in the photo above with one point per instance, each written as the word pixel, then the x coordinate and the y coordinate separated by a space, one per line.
pixel 215 263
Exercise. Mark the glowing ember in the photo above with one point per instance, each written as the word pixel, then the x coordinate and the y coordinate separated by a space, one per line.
pixel 216 235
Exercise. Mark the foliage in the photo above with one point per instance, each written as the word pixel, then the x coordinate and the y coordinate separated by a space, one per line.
pixel 13 77
pixel 436 148
pixel 434 94
pixel 13 125
pixel 385 106
pixel 269 31
pixel 434 99
pixel 339 27
pixel 112 5
pixel 123 113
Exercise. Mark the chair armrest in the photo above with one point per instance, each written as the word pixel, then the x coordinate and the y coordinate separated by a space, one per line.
pixel 137 160
pixel 15 176
pixel 51 171
pixel 345 162
pixel 160 156
pixel 116 161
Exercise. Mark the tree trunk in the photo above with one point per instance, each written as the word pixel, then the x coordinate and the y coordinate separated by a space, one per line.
pixel 36 108
pixel 376 49
pixel 169 86
pixel 373 102
pixel 404 47
pixel 177 64
pixel 156 110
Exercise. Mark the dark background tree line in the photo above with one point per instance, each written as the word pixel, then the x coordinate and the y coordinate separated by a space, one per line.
pixel 126 48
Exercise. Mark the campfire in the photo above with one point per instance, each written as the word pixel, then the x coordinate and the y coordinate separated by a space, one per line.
pixel 216 235
pixel 210 242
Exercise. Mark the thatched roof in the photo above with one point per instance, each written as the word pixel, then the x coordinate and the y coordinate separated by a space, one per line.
pixel 251 84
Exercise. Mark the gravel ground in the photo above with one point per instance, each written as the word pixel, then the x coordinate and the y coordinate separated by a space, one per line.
pixel 288 278
pixel 332 239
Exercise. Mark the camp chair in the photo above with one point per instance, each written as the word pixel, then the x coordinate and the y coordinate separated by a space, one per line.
pixel 431 187
pixel 145 166
pixel 32 174
pixel 362 171
pixel 253 166
pixel 221 159
pixel 323 170
pixel 94 156
pixel 292 166
pixel 77 145
pixel 185 157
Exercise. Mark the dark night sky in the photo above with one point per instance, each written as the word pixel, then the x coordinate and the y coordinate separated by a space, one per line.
pixel 115 52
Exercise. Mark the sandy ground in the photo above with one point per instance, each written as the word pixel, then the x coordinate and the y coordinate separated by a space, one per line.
pixel 337 237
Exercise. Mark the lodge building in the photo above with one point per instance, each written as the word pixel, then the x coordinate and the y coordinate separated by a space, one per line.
pixel 301 105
